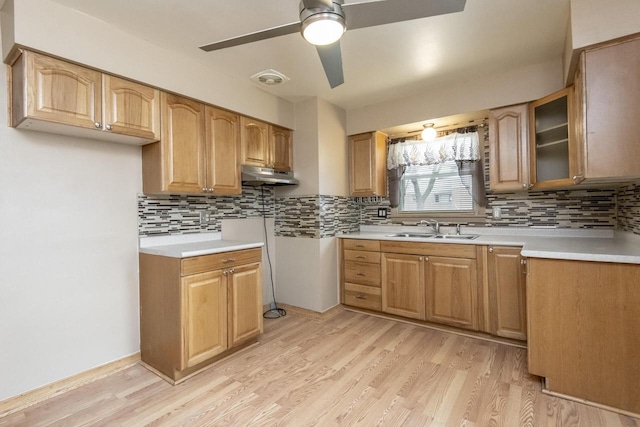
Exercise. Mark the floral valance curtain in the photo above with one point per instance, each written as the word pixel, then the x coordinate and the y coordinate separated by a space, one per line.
pixel 459 147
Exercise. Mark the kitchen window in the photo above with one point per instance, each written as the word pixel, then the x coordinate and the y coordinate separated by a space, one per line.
pixel 435 189
pixel 441 178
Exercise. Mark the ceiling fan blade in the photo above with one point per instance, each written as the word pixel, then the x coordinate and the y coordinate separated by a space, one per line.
pixel 331 58
pixel 369 14
pixel 317 4
pixel 282 30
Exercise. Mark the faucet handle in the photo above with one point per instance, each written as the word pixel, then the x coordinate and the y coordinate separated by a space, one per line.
pixel 458 226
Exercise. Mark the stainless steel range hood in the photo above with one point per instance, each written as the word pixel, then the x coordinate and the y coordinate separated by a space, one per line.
pixel 254 175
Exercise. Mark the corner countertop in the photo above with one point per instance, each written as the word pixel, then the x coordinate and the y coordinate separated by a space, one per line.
pixel 188 245
pixel 569 244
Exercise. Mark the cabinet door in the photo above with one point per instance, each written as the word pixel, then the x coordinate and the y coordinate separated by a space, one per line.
pixel 245 303
pixel 451 288
pixel 507 299
pixel 281 157
pixel 553 145
pixel 255 142
pixel 509 148
pixel 204 317
pixel 61 92
pixel 183 133
pixel 367 165
pixel 403 285
pixel 611 104
pixel 131 108
pixel 223 151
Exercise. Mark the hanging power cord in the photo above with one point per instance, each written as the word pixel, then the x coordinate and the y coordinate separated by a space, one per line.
pixel 274 312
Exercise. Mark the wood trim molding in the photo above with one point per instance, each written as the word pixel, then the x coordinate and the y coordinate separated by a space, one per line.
pixel 24 400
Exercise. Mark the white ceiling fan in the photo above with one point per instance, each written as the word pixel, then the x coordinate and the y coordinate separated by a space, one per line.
pixel 322 23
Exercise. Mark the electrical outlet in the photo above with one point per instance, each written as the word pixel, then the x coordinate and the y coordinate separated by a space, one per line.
pixel 497 213
pixel 204 217
pixel 382 212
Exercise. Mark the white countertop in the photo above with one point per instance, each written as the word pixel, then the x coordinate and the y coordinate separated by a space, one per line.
pixel 188 245
pixel 570 244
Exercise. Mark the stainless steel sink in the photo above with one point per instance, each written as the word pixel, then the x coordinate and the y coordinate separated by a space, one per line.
pixel 457 236
pixel 423 235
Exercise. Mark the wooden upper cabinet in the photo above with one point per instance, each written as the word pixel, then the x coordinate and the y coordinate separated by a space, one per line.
pixel 509 148
pixel 553 144
pixel 182 145
pixel 52 95
pixel 223 151
pixel 204 317
pixel 608 92
pixel 266 145
pixel 507 292
pixel 367 165
pixel 255 142
pixel 131 108
pixel 281 148
pixel 56 91
pixel 452 291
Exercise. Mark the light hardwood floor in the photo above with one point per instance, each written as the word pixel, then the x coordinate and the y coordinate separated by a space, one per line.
pixel 347 369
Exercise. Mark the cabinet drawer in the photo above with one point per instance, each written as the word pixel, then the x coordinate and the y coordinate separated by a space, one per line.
pixel 362 256
pixel 362 273
pixel 438 249
pixel 200 264
pixel 362 296
pixel 361 245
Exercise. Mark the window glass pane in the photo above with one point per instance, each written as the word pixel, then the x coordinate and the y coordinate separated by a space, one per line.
pixel 435 188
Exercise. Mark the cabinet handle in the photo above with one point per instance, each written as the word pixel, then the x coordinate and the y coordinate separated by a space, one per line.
pixel 530 185
pixel 490 250
pixel 360 296
pixel 98 125
pixel 225 272
pixel 359 246
pixel 577 179
pixel 524 185
pixel 233 270
pixel 108 127
pixel 359 274
pixel 523 261
pixel 228 260
pixel 361 257
pixel 210 190
pixel 421 258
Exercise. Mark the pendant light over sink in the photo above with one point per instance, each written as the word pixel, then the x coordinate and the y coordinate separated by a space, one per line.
pixel 429 132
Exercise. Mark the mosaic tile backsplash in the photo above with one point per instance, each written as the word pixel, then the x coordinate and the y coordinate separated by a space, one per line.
pixel 176 214
pixel 629 208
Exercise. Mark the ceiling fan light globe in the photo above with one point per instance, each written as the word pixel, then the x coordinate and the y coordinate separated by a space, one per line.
pixel 323 28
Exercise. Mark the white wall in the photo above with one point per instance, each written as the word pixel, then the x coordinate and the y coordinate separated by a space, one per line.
pixel 332 150
pixel 595 21
pixel 68 254
pixel 59 30
pixel 252 229
pixel 483 92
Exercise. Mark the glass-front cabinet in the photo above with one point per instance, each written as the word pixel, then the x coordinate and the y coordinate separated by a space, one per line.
pixel 554 160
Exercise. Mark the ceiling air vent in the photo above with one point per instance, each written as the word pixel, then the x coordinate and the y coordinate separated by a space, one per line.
pixel 270 78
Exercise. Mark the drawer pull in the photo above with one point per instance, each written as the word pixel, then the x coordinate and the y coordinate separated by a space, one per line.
pixel 360 296
pixel 361 257
pixel 228 260
pixel 359 274
pixel 359 246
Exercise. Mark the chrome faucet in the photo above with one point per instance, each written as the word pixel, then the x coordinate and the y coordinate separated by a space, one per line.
pixel 432 223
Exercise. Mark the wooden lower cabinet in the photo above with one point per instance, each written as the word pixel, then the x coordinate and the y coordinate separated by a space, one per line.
pixel 507 292
pixel 245 295
pixel 403 285
pixel 196 310
pixel 452 291
pixel 583 333
pixel 204 317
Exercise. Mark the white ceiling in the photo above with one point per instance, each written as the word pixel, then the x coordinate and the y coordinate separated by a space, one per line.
pixel 380 63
